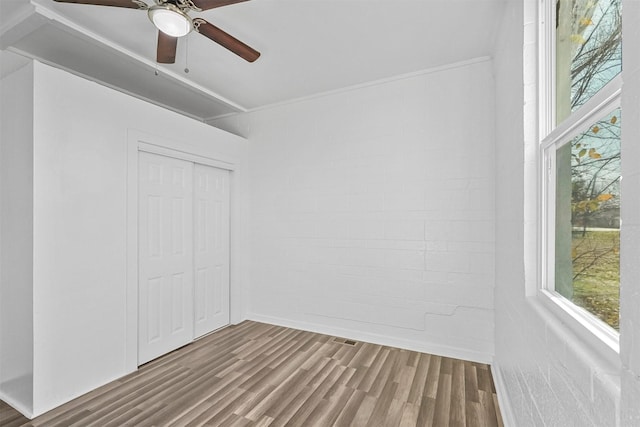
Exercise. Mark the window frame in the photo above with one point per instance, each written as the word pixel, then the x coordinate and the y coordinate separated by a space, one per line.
pixel 587 326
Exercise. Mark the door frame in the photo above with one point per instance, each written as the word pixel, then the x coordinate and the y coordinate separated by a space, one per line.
pixel 139 141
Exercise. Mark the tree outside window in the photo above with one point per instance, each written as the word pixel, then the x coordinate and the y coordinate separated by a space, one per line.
pixel 587 175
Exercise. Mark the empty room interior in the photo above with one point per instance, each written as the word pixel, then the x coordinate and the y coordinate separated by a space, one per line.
pixel 320 212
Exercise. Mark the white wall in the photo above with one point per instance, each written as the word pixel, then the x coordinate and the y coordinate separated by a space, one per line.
pixel 16 237
pixel 80 139
pixel 373 211
pixel 546 375
pixel 630 247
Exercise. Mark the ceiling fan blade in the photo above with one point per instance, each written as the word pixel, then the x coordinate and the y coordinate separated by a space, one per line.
pixel 225 40
pixel 211 4
pixel 132 4
pixel 166 48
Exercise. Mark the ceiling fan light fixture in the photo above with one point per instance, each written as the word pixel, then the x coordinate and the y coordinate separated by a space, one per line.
pixel 169 19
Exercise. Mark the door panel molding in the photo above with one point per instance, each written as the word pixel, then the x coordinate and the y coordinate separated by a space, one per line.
pixel 166 254
pixel 211 253
pixel 138 141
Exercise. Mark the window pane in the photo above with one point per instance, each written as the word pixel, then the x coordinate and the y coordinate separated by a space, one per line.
pixel 587 265
pixel 588 50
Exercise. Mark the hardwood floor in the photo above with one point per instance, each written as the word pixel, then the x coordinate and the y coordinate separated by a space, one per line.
pixel 255 374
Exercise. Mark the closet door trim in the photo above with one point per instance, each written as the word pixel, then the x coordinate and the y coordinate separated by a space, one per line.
pixel 139 141
pixel 182 155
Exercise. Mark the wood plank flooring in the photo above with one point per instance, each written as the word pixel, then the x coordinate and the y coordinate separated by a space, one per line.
pixel 255 374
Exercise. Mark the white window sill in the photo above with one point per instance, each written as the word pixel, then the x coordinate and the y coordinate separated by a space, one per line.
pixel 603 340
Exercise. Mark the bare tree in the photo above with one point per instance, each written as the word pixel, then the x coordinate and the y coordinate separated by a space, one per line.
pixel 588 49
pixel 599 55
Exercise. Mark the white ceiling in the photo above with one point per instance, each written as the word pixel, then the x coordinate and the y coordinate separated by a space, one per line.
pixel 308 46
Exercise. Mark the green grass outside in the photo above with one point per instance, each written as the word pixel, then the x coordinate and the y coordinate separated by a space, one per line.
pixel 596 269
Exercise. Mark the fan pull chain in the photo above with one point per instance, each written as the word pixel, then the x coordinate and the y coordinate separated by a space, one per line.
pixel 186 55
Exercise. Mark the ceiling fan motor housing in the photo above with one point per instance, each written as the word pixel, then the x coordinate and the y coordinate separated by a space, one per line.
pixel 170 19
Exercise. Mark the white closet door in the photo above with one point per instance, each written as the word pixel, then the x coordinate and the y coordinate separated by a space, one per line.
pixel 165 227
pixel 211 249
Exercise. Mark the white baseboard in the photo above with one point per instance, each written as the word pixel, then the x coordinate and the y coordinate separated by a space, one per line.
pixel 506 410
pixel 423 347
pixel 16 405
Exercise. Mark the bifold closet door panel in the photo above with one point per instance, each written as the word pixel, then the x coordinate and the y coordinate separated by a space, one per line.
pixel 211 194
pixel 165 258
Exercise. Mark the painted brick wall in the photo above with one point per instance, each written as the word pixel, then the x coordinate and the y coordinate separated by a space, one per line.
pixel 546 375
pixel 373 211
pixel 630 240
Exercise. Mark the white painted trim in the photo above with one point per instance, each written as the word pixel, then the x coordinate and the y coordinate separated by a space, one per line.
pixel 504 402
pixel 605 100
pixel 182 155
pixel 547 228
pixel 236 294
pixel 140 141
pixel 420 346
pixel 54 16
pixel 56 403
pixel 576 334
pixel 602 339
pixel 171 148
pixel 221 116
pixel 131 321
pixel 16 405
pixel 591 330
pixel 532 203
pixel 361 86
pixel 546 67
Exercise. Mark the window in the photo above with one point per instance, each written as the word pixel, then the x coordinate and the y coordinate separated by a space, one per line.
pixel 581 153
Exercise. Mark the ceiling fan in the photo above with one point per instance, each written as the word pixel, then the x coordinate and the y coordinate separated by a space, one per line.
pixel 172 19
